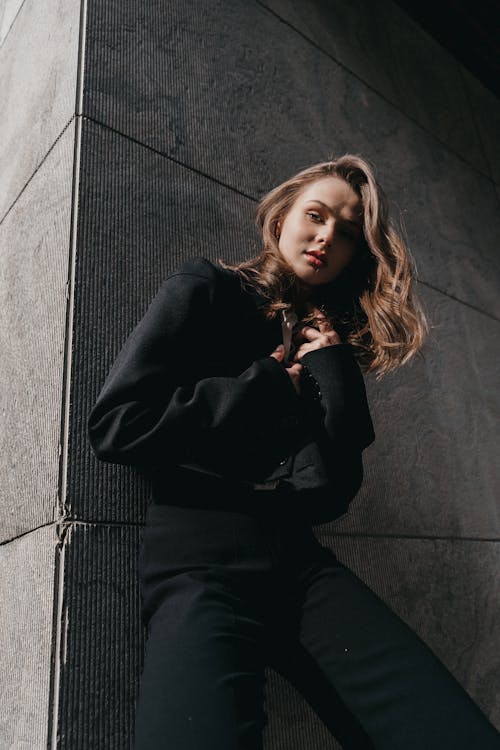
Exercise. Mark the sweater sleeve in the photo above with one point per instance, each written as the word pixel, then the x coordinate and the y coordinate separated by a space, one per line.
pixel 157 408
pixel 335 398
pixel 334 380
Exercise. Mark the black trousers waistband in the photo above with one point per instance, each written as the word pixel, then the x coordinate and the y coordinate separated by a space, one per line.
pixel 195 489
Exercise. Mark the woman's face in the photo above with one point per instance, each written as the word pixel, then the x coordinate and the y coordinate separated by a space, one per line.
pixel 320 233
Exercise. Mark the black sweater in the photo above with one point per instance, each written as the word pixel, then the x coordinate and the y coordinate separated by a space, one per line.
pixel 194 385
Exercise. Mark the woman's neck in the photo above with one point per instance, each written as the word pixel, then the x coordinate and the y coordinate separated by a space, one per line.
pixel 300 295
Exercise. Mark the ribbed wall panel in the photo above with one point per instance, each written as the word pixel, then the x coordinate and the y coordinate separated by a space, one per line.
pixel 292 724
pixel 103 638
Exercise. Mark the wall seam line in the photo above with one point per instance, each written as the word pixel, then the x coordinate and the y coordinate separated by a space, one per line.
pixel 442 143
pixel 409 537
pixel 37 168
pixel 12 24
pixel 73 522
pixel 63 528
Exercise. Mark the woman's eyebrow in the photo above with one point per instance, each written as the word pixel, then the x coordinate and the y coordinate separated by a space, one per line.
pixel 351 221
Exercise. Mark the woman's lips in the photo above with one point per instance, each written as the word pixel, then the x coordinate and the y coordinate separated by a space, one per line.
pixel 316 258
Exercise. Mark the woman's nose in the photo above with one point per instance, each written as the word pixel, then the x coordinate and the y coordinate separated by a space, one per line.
pixel 327 233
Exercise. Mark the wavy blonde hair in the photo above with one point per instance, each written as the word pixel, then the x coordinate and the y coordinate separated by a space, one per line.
pixel 372 303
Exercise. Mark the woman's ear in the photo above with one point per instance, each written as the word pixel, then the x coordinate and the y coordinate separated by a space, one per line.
pixel 278 229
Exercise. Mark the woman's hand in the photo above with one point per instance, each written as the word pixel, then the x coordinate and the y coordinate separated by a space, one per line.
pixel 292 370
pixel 308 338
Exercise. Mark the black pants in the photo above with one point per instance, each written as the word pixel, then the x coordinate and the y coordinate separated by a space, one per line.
pixel 227 591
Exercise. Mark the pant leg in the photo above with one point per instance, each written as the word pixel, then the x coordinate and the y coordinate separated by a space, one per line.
pixel 369 677
pixel 203 576
pixel 203 678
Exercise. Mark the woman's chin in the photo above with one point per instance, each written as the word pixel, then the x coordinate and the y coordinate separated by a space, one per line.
pixel 313 275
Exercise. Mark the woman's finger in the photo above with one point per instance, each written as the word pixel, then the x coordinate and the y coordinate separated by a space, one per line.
pixel 323 324
pixel 307 333
pixel 294 372
pixel 311 335
pixel 279 353
pixel 321 320
pixel 330 339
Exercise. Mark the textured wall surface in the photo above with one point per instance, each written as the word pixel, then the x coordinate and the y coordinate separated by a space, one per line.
pixel 26 593
pixel 8 12
pixel 486 113
pixel 35 240
pixel 38 70
pixel 38 76
pixel 194 110
pixel 191 111
pixel 102 646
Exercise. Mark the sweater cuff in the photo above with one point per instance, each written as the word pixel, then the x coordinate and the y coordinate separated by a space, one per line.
pixel 340 388
pixel 337 356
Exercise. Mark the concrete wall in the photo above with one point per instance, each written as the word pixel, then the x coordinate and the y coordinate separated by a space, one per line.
pixel 190 112
pixel 194 111
pixel 38 80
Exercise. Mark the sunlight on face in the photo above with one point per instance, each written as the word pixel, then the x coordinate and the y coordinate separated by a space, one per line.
pixel 320 233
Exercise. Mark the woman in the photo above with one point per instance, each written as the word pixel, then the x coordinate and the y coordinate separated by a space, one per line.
pixel 240 396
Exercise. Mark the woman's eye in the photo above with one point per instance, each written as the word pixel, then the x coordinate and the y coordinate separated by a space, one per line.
pixel 314 215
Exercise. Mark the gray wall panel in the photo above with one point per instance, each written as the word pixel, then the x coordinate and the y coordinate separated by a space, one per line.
pixel 292 724
pixel 101 652
pixel 26 593
pixel 38 69
pixel 390 52
pixel 448 591
pixel 8 12
pixel 486 112
pixel 35 241
pixel 277 112
pixel 433 469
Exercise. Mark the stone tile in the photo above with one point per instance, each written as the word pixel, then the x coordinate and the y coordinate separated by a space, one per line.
pixel 452 222
pixel 8 12
pixel 448 592
pixel 433 468
pixel 27 596
pixel 158 82
pixel 102 649
pixel 486 111
pixel 429 86
pixel 38 68
pixel 35 240
pixel 392 54
pixel 291 722
pixel 277 113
